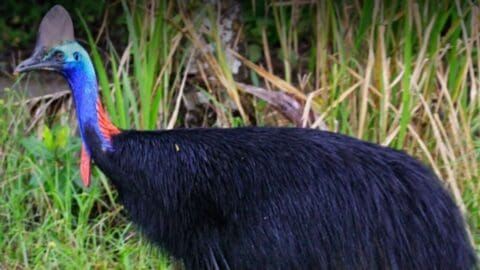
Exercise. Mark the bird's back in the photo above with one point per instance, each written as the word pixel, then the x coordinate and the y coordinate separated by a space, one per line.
pixel 284 198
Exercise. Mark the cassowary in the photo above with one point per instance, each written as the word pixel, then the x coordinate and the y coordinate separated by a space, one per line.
pixel 261 198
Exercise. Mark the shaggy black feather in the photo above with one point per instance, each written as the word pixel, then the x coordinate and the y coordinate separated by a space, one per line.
pixel 284 198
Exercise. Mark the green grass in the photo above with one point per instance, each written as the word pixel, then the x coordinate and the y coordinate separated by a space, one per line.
pixel 48 221
pixel 148 58
pixel 403 74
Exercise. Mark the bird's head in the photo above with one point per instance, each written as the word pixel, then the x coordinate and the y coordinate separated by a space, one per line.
pixel 56 48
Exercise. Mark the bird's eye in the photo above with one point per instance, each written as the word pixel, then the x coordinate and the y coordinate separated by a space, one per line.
pixel 76 55
pixel 58 56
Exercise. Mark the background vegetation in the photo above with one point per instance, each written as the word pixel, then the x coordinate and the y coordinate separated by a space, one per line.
pixel 399 73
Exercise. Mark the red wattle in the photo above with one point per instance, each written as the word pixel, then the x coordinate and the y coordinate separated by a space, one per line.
pixel 85 166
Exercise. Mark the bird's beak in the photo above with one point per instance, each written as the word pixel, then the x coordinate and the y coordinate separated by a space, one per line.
pixel 38 62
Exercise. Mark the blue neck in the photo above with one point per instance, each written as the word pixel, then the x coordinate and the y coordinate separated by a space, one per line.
pixel 83 82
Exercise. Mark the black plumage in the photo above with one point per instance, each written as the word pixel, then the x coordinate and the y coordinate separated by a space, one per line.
pixel 284 198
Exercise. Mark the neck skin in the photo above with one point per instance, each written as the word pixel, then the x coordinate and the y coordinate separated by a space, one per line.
pixel 83 82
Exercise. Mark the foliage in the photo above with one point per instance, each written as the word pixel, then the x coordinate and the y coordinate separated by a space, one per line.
pixel 47 220
pixel 20 17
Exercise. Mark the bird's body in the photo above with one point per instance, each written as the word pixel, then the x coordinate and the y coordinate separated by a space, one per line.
pixel 283 198
pixel 263 198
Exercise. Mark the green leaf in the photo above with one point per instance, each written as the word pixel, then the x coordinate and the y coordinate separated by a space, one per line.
pixel 61 137
pixel 36 148
pixel 48 139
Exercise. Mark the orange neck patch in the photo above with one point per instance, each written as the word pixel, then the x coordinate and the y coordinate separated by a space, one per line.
pixel 104 123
